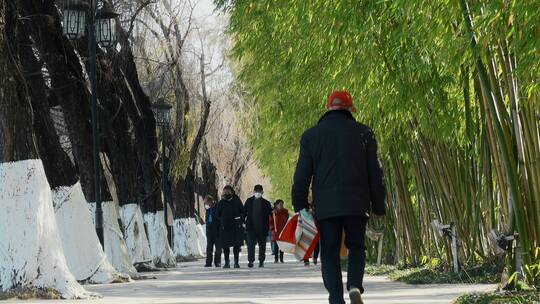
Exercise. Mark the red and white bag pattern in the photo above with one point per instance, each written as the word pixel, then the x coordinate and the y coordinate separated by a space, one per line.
pixel 287 238
pixel 300 236
pixel 307 236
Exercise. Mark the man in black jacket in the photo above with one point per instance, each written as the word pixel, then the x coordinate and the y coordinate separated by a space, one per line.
pixel 340 156
pixel 257 212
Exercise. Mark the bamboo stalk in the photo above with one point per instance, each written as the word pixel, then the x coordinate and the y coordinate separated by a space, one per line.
pixel 511 168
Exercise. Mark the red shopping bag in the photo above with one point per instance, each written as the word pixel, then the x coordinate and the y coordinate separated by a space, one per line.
pixel 287 237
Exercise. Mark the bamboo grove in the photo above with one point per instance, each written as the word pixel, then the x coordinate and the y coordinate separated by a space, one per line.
pixel 450 87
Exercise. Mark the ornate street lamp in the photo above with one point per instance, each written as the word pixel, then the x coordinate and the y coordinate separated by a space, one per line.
pixel 106 27
pixel 162 114
pixel 80 17
pixel 74 21
pixel 81 14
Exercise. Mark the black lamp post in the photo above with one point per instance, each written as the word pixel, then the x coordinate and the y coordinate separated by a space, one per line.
pixel 80 17
pixel 162 113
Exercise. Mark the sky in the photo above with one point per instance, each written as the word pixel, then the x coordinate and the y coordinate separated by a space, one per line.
pixel 205 9
pixel 212 24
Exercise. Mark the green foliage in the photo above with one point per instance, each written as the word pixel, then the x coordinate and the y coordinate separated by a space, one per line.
pixel 533 270
pixel 380 270
pixel 501 298
pixel 427 275
pixel 414 76
pixel 180 165
pixel 294 53
pixel 180 162
pixel 30 293
pixel 435 272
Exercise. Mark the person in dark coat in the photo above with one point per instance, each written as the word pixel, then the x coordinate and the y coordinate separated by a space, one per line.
pixel 339 155
pixel 278 220
pixel 230 212
pixel 213 226
pixel 257 210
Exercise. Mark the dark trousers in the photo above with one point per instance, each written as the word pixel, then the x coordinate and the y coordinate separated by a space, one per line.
pixel 316 252
pixel 278 254
pixel 212 241
pixel 331 237
pixel 253 240
pixel 227 254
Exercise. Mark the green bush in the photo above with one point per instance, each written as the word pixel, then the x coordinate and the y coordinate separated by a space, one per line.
pixel 531 297
pixel 437 273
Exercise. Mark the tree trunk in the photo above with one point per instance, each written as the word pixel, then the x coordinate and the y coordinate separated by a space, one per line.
pixel 2 140
pixel 69 85
pixel 58 167
pixel 205 113
pixel 15 109
pixel 114 94
pixel 145 128
pixel 208 182
pixel 25 196
pixel 84 254
pixel 188 192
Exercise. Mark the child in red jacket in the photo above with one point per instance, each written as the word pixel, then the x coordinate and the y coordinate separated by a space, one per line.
pixel 278 220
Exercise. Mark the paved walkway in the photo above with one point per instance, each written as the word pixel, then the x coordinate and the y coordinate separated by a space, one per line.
pixel 289 283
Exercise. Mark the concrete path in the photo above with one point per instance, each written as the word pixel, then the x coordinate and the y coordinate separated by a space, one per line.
pixel 289 283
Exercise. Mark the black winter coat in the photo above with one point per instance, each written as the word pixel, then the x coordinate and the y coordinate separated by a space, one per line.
pixel 340 155
pixel 213 224
pixel 230 214
pixel 263 217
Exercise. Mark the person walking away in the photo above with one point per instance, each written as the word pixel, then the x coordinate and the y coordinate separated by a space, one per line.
pixel 257 210
pixel 339 155
pixel 278 220
pixel 213 226
pixel 230 212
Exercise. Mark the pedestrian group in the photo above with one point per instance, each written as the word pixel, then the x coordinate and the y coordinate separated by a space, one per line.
pixel 230 224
